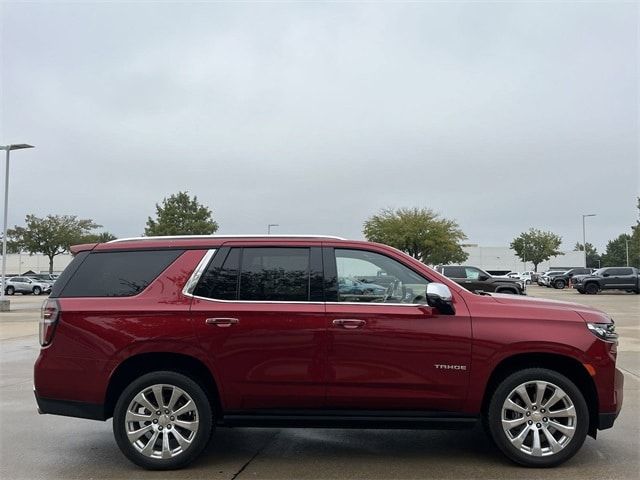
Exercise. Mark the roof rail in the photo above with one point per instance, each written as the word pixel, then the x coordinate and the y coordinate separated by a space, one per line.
pixel 213 237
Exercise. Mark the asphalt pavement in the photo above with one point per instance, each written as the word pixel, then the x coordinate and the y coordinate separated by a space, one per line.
pixel 50 447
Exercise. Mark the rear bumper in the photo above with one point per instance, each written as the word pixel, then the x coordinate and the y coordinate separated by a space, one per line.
pixel 68 408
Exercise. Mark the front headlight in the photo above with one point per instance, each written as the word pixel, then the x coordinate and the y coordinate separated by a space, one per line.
pixel 604 331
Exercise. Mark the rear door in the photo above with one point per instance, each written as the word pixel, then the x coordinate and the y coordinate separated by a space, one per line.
pixel 622 278
pixel 259 313
pixel 392 352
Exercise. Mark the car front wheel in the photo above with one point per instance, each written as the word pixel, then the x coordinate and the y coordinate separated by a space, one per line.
pixel 559 284
pixel 538 417
pixel 37 290
pixel 591 288
pixel 162 421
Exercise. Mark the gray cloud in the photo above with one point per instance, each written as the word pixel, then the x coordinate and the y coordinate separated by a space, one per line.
pixel 315 116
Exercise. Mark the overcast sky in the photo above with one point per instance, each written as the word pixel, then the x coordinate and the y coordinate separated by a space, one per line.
pixel 502 116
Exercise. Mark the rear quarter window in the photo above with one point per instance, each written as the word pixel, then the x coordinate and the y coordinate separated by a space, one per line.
pixel 116 274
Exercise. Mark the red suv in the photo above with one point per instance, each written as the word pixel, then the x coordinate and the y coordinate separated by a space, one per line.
pixel 173 336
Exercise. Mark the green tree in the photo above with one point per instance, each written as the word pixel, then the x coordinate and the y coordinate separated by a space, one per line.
pixel 12 246
pixel 615 254
pixel 102 237
pixel 181 215
pixel 593 257
pixel 51 235
pixel 536 246
pixel 420 232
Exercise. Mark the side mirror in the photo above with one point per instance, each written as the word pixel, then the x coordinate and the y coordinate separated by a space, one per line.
pixel 605 274
pixel 439 296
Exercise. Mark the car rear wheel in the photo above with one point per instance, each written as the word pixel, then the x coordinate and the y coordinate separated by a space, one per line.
pixel 10 290
pixel 591 288
pixel 162 421
pixel 559 284
pixel 37 290
pixel 538 417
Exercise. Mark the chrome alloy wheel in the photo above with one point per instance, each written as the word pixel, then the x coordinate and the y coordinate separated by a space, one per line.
pixel 162 421
pixel 539 418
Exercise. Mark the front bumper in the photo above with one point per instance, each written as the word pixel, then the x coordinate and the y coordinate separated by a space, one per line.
pixel 606 419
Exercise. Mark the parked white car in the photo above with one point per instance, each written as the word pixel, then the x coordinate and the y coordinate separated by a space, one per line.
pixel 526 277
pixel 26 286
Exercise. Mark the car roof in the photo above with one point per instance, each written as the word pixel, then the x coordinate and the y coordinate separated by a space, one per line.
pixel 209 241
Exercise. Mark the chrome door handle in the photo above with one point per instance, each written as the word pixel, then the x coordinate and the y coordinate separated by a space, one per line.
pixel 350 323
pixel 221 322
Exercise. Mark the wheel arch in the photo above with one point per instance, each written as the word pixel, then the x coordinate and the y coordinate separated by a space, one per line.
pixel 140 364
pixel 566 365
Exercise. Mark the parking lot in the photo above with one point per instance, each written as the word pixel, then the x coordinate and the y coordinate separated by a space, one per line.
pixel 34 446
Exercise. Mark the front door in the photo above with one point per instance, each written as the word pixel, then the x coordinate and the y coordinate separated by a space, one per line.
pixel 388 350
pixel 259 314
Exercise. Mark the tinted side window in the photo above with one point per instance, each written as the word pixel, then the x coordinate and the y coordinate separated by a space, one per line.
pixel 221 279
pixel 118 274
pixel 276 274
pixel 619 271
pixel 455 272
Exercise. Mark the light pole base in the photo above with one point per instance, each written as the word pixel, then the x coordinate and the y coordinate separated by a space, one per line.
pixel 5 305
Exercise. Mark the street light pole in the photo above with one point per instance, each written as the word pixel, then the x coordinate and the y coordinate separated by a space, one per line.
pixel 584 237
pixel 626 243
pixel 269 227
pixel 4 303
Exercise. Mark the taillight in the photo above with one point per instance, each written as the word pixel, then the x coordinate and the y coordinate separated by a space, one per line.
pixel 48 320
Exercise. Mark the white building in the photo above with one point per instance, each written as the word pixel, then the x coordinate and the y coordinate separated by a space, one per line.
pixel 505 259
pixel 19 263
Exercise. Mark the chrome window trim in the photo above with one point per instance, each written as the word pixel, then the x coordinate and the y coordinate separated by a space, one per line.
pixel 216 300
pixel 202 265
pixel 197 273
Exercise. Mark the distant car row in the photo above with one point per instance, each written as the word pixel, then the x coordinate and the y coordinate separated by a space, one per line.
pixel 36 284
pixel 587 280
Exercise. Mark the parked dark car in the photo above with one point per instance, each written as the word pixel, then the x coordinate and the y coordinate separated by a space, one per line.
pixel 610 278
pixel 561 281
pixel 173 337
pixel 475 279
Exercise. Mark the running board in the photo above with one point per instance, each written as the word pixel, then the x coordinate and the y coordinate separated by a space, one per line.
pixel 385 419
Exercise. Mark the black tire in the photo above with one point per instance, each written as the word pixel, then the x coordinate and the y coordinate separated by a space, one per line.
pixel 559 284
pixel 509 291
pixel 580 291
pixel 494 417
pixel 37 290
pixel 591 288
pixel 203 433
pixel 10 290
